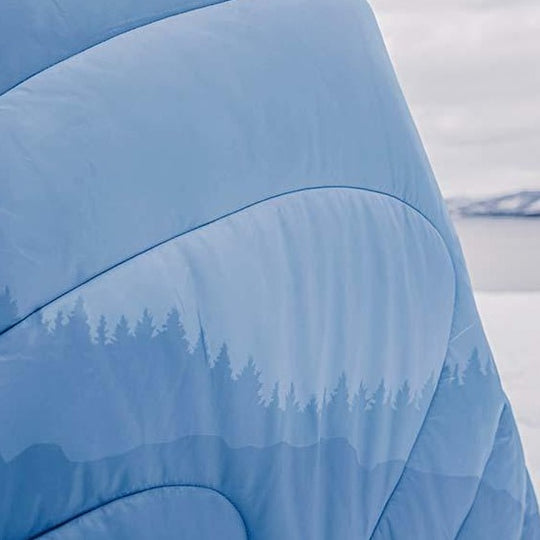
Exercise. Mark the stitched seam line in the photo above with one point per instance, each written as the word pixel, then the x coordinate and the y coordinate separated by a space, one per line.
pixel 224 216
pixel 143 489
pixel 107 36
pixel 482 475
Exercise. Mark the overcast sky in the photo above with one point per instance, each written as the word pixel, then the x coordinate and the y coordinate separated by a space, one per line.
pixel 470 70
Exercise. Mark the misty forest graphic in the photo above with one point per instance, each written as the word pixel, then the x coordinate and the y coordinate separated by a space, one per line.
pixel 191 420
pixel 157 369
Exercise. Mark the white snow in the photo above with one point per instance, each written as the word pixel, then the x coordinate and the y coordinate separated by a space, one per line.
pixel 512 323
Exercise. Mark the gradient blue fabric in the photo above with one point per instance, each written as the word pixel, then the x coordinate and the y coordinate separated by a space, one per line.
pixel 232 303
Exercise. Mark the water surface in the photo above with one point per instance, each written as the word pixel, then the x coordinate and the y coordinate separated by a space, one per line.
pixel 503 254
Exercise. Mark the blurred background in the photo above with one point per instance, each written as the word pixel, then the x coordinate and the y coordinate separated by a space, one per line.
pixel 470 70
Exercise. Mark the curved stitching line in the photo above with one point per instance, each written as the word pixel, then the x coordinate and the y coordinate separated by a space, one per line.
pixel 107 36
pixel 135 492
pixel 481 479
pixel 393 492
pixel 224 216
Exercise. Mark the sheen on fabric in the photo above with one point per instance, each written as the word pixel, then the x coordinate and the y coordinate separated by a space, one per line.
pixel 232 304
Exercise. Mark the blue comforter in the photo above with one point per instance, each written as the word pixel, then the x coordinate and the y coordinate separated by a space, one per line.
pixel 232 304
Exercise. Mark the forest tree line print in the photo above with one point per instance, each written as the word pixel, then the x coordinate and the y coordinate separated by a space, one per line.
pixel 157 368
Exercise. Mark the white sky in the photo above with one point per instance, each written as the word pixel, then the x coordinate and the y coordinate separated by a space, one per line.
pixel 470 70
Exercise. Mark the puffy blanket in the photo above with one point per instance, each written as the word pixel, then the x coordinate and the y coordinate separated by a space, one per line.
pixel 232 304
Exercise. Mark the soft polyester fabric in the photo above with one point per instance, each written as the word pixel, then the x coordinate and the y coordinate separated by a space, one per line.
pixel 232 304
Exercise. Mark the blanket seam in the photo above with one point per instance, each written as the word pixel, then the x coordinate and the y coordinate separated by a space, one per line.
pixel 219 218
pixel 110 34
pixel 144 488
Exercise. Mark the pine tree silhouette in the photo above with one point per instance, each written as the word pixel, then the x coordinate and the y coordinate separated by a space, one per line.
pixel 361 400
pixel 121 332
pixel 172 337
pixel 77 323
pixel 403 398
pixel 425 395
pixel 273 402
pixel 143 342
pixel 248 385
pixel 338 409
pixel 58 335
pixel 273 416
pixel 324 412
pixel 144 329
pixel 101 332
pixel 402 411
pixel 222 373
pixel 291 403
pixel 70 335
pixel 361 403
pixel 378 416
pixel 378 400
pixel 122 339
pixel 246 407
pixel 122 348
pixel 474 366
pixel 292 415
pixel 59 321
pixel 310 428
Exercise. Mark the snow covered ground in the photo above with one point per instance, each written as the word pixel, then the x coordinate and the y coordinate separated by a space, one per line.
pixel 503 256
pixel 512 324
